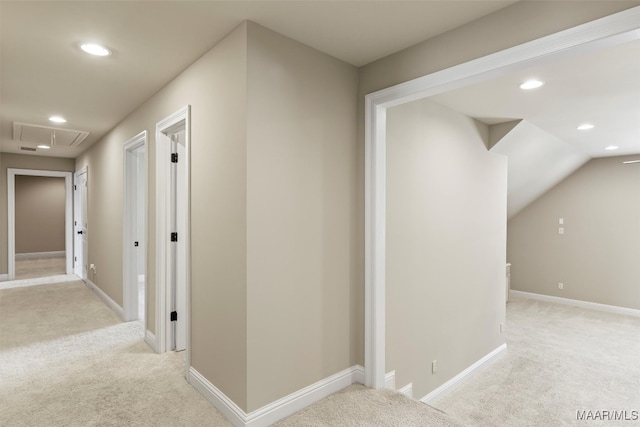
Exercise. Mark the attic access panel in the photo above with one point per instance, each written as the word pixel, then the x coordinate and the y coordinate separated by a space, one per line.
pixel 36 134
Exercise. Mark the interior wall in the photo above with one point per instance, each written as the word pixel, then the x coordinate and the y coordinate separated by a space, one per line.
pixel 302 217
pixel 446 244
pixel 39 214
pixel 22 161
pixel 596 258
pixel 489 34
pixel 215 87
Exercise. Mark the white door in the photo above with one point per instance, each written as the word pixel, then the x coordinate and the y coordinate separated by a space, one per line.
pixel 80 267
pixel 134 229
pixel 179 202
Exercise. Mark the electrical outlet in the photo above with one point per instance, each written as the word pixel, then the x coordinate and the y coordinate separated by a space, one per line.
pixel 560 230
pixel 434 366
pixel 560 285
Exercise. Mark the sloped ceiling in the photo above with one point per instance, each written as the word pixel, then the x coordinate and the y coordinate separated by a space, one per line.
pixel 537 129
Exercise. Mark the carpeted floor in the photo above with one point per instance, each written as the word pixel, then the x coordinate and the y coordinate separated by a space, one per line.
pixel 66 360
pixel 560 360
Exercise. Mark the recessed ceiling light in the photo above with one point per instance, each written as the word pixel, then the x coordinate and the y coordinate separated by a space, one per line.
pixel 95 49
pixel 585 126
pixel 57 119
pixel 531 84
pixel 611 147
pixel 44 147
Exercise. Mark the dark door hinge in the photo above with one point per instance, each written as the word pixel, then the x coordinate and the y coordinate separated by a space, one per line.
pixel 174 316
pixel 174 157
pixel 135 244
pixel 75 187
pixel 174 237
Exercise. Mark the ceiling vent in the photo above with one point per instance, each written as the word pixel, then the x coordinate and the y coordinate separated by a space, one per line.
pixel 36 134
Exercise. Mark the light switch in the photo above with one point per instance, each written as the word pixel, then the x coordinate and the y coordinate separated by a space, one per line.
pixel 560 230
pixel 561 221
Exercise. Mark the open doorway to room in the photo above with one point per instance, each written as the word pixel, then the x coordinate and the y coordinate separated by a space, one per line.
pixel 39 226
pixel 135 227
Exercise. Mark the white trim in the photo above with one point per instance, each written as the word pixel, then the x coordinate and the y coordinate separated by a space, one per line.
pixel 407 390
pixel 129 268
pixel 390 380
pixel 11 215
pixel 465 375
pixel 37 281
pixel 279 409
pixel 150 339
pixel 163 248
pixel 4 277
pixel 105 298
pixel 614 309
pixel 79 247
pixel 607 31
pixel 36 255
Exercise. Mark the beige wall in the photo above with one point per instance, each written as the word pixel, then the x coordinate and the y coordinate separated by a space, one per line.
pixel 273 167
pixel 22 161
pixel 597 257
pixel 40 214
pixel 519 23
pixel 215 87
pixel 301 217
pixel 446 244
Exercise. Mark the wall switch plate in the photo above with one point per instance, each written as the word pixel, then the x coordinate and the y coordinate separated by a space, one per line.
pixel 560 221
pixel 560 230
pixel 434 366
pixel 560 285
pixel 501 328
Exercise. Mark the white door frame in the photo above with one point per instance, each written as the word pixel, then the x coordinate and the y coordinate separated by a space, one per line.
pixel 129 252
pixel 11 215
pixel 163 230
pixel 604 32
pixel 78 248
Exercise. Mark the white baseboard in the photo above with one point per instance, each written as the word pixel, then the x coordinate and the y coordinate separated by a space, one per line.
pixel 407 390
pixel 105 298
pixel 439 392
pixel 4 277
pixel 35 255
pixel 577 303
pixel 279 409
pixel 150 339
pixel 390 380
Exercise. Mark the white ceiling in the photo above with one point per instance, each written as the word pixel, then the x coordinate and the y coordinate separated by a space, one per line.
pixel 536 129
pixel 600 87
pixel 43 72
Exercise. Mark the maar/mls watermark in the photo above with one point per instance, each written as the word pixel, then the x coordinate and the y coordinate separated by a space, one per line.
pixel 607 415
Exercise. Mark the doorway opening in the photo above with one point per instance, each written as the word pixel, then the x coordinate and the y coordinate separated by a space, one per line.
pixel 41 237
pixel 135 228
pixel 172 227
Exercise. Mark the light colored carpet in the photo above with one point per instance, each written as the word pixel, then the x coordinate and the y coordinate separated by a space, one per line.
pixel 40 267
pixel 66 360
pixel 361 406
pixel 560 360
